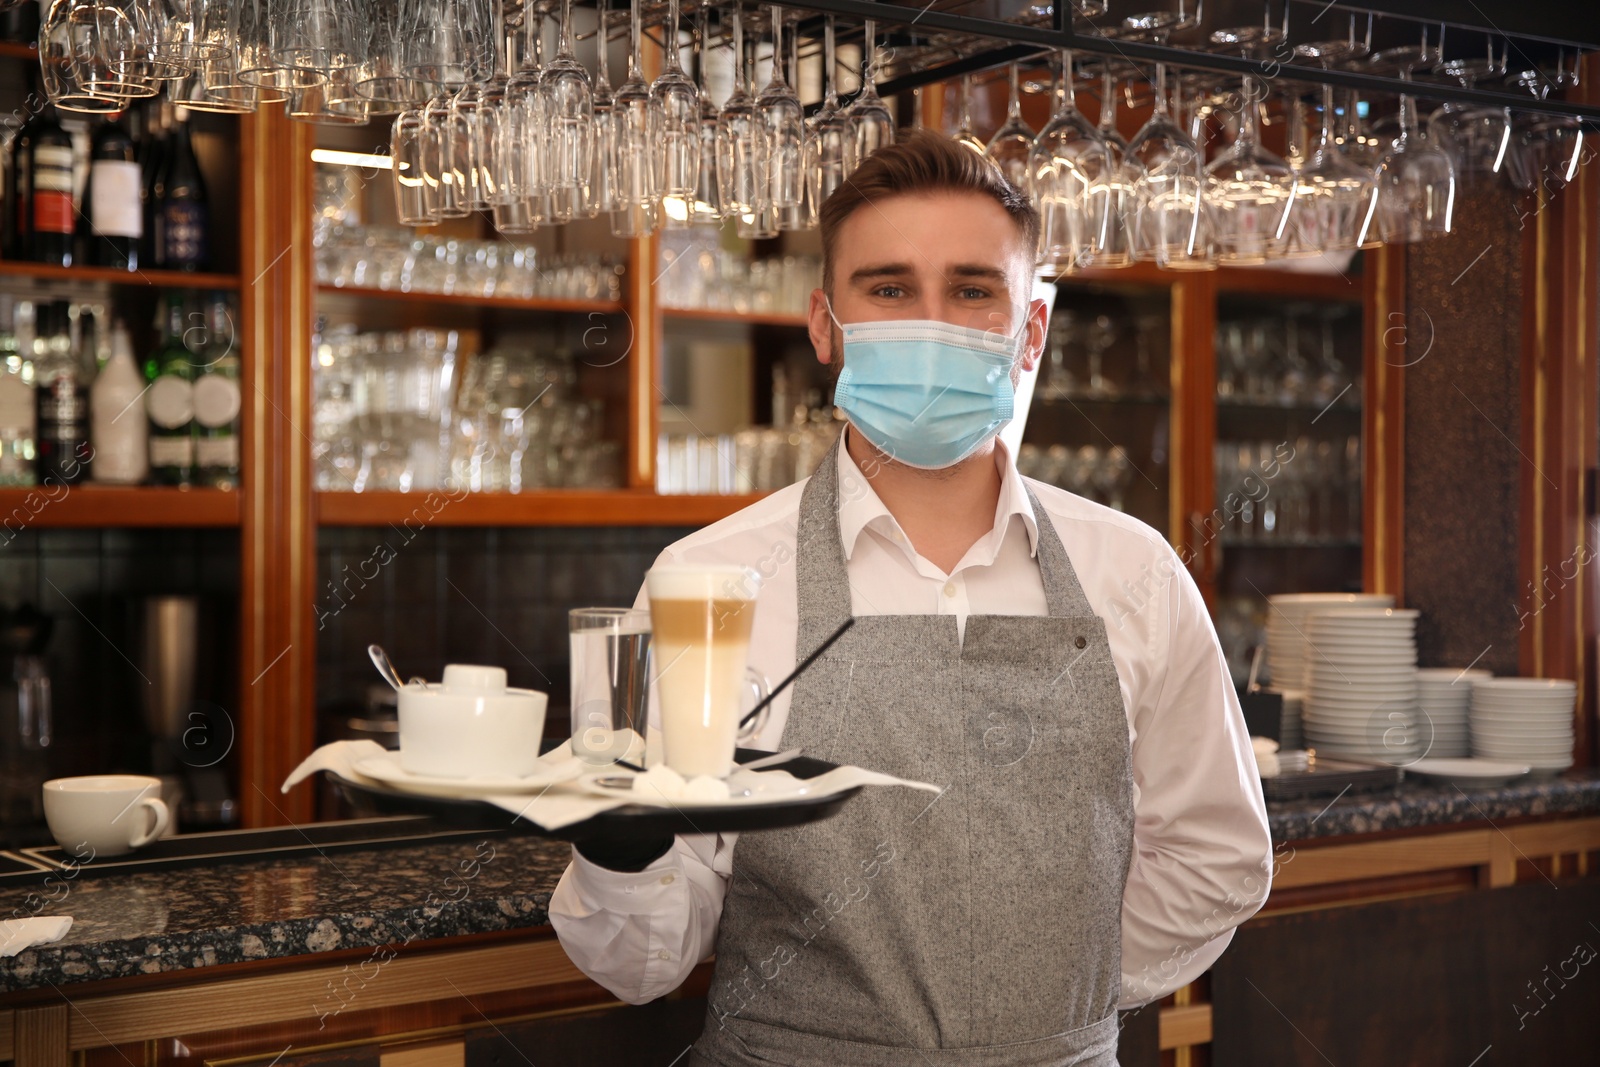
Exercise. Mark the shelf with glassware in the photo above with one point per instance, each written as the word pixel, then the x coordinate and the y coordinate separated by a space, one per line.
pixel 54 506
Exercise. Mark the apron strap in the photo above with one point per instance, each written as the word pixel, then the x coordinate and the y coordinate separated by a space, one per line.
pixel 1063 594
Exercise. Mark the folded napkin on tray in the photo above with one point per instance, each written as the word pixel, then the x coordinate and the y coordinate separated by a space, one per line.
pixel 18 934
pixel 563 804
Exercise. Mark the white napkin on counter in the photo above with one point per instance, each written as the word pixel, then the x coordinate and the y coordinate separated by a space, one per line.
pixel 1266 750
pixel 566 803
pixel 18 934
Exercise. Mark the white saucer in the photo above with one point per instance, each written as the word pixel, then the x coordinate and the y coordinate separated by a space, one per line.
pixel 386 769
pixel 1468 772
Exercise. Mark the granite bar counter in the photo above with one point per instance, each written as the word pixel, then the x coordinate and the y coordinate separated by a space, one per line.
pixel 132 924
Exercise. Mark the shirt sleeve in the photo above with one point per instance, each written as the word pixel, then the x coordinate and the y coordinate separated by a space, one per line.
pixel 639 934
pixel 1202 851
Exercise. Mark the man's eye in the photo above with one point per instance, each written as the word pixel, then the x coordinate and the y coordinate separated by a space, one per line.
pixel 972 292
pixel 890 291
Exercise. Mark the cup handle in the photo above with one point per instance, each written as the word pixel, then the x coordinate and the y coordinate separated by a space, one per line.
pixel 159 807
pixel 758 685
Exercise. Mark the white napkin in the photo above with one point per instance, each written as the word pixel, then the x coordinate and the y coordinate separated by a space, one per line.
pixel 566 803
pixel 18 934
pixel 1266 750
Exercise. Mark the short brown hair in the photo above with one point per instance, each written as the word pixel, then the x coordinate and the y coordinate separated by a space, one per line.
pixel 923 162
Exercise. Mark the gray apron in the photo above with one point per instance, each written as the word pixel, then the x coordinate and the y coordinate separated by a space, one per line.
pixel 978 928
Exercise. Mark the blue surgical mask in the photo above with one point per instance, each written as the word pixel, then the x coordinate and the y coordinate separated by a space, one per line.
pixel 926 393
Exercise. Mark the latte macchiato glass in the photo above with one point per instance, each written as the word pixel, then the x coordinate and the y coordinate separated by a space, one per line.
pixel 701 617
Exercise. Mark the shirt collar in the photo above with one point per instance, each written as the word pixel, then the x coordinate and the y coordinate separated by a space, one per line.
pixel 860 506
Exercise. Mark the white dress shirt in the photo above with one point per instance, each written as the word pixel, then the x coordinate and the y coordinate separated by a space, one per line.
pixel 1201 852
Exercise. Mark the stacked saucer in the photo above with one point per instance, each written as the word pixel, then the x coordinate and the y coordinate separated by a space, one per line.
pixel 1361 689
pixel 1443 695
pixel 1287 615
pixel 1528 720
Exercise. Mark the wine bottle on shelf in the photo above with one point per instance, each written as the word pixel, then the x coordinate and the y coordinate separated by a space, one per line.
pixel 116 211
pixel 51 212
pixel 63 452
pixel 18 220
pixel 181 213
pixel 119 423
pixel 17 415
pixel 170 401
pixel 152 155
pixel 217 401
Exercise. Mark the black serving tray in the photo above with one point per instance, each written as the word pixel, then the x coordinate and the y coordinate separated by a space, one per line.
pixel 1328 777
pixel 627 823
pixel 16 869
pixel 242 846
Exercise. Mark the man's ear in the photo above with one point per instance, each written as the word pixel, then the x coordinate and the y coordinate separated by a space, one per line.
pixel 1034 334
pixel 819 325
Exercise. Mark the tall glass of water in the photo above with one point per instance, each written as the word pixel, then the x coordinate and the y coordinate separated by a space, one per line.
pixel 610 680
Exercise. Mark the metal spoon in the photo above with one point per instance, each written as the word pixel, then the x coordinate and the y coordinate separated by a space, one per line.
pixel 380 660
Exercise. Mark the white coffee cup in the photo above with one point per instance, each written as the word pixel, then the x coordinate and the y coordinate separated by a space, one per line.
pixel 701 618
pixel 470 726
pixel 104 814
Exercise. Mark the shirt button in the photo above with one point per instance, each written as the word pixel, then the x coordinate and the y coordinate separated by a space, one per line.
pixel 1079 643
pixel 949 588
pixel 663 955
pixel 668 879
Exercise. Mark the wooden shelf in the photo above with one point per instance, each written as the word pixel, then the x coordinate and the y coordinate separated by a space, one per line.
pixel 753 318
pixel 18 50
pixel 537 303
pixel 556 507
pixel 164 279
pixel 86 506
pixel 1232 280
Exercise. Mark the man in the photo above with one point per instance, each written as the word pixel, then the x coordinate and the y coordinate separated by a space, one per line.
pixel 1045 660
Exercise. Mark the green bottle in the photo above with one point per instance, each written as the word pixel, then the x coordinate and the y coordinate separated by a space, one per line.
pixel 170 370
pixel 217 401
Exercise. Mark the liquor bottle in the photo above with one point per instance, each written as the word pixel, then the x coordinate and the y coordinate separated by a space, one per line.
pixel 115 215
pixel 170 402
pixel 51 213
pixel 181 215
pixel 120 425
pixel 152 156
pixel 217 401
pixel 17 415
pixel 62 446
pixel 18 219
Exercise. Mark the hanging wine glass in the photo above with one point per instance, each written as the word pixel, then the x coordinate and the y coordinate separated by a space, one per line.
pixel 1416 180
pixel 442 147
pixel 1416 183
pixel 1067 158
pixel 1251 193
pixel 705 209
pixel 965 135
pixel 676 102
pixel 1172 222
pixel 832 135
pixel 1475 136
pixel 467 163
pixel 1013 142
pixel 606 170
pixel 637 126
pixel 1337 197
pixel 781 122
pixel 761 221
pixel 566 99
pixel 1111 191
pixel 737 138
pixel 874 125
pixel 803 214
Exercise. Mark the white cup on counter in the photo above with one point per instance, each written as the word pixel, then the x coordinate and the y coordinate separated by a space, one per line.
pixel 471 725
pixel 104 814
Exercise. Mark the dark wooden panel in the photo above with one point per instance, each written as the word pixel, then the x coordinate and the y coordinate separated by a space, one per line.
pixel 649 1035
pixel 1139 1044
pixel 1486 978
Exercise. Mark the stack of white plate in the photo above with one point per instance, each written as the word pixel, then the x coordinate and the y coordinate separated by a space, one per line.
pixel 1528 720
pixel 1361 698
pixel 1443 695
pixel 1287 614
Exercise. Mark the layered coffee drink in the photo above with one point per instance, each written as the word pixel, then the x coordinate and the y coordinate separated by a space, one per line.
pixel 701 618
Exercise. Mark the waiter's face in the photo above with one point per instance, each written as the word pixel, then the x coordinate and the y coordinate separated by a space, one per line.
pixel 956 257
